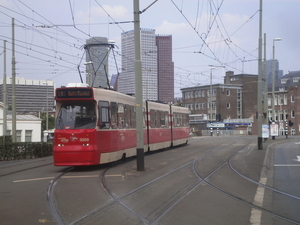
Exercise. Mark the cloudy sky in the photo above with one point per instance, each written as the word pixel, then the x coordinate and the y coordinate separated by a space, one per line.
pixel 50 34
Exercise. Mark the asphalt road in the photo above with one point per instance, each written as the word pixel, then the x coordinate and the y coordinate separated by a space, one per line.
pixel 211 180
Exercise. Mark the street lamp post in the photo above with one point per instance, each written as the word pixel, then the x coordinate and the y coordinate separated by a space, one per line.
pixel 273 82
pixel 47 114
pixel 210 95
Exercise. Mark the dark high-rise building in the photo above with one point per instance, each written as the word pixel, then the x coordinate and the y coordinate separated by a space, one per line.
pixel 165 68
pixel 269 70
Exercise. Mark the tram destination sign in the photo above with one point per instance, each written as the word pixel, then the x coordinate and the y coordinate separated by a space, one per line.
pixel 62 93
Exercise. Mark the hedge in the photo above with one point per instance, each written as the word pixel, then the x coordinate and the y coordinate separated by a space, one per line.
pixel 24 150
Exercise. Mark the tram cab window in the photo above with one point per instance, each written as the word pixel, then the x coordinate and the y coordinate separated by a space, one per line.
pixel 103 115
pixel 76 116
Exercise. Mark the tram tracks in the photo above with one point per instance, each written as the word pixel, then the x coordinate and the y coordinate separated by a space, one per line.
pixel 157 212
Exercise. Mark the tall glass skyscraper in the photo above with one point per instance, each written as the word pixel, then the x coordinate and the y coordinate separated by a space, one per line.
pixel 126 81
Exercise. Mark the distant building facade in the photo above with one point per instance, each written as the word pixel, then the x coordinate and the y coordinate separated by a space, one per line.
pixel 231 100
pixel 286 103
pixel 31 95
pixel 237 99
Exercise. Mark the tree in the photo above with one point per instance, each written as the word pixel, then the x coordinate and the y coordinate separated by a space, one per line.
pixel 51 121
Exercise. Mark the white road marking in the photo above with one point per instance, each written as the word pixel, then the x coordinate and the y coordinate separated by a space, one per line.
pixel 86 176
pixel 286 164
pixel 35 179
pixel 49 178
pixel 255 217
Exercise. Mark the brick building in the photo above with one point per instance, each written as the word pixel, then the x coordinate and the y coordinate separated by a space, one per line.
pixel 237 99
pixel 286 103
pixel 232 100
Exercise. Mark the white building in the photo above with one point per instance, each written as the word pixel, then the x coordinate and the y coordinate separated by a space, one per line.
pixel 28 127
pixel 126 80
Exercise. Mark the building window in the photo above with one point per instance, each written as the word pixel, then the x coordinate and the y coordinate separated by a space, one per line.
pixel 293 113
pixel 228 92
pixel 19 135
pixel 269 101
pixel 28 135
pixel 292 98
pixel 228 105
pixel 285 99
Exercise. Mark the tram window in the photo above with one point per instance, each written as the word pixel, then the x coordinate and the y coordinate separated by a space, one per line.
pixel 163 119
pixel 133 116
pixel 76 116
pixel 157 119
pixel 127 116
pixel 104 114
pixel 186 120
pixel 114 115
pixel 178 119
pixel 120 115
pixel 152 118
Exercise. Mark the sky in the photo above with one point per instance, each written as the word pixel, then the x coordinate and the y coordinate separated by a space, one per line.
pixel 50 35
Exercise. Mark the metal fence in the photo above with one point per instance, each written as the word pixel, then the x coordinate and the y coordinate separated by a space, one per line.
pixel 224 132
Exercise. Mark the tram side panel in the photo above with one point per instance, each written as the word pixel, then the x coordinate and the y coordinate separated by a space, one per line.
pixel 180 125
pixel 158 126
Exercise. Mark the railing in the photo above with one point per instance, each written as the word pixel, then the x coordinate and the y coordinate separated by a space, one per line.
pixel 224 132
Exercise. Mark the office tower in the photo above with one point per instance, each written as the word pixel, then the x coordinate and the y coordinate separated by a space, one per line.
pixel 165 68
pixel 31 95
pixel 126 80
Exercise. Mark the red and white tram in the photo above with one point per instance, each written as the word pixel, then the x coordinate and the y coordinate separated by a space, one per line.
pixel 96 126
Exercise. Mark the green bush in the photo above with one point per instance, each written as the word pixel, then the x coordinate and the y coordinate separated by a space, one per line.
pixel 24 150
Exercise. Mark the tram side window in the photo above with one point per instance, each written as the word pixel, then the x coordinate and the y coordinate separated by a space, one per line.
pixel 185 120
pixel 120 115
pixel 178 120
pixel 114 115
pixel 164 122
pixel 133 116
pixel 127 116
pixel 103 114
pixel 152 118
pixel 157 120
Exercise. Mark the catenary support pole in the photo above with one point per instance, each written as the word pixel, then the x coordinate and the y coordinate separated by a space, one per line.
pixel 13 68
pixel 138 89
pixel 4 92
pixel 259 84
